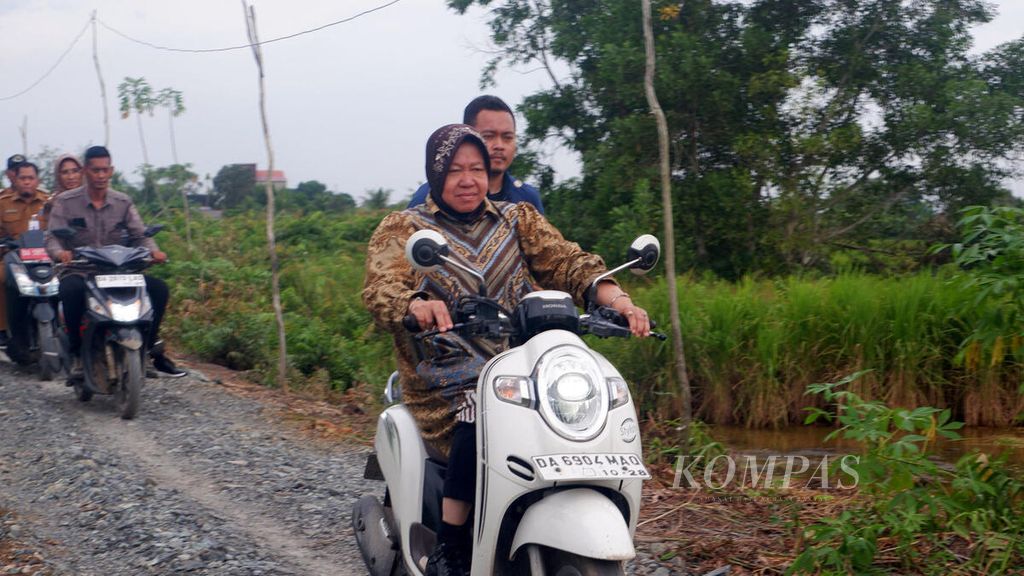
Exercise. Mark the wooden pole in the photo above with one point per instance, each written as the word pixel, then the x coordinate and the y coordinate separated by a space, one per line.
pixel 103 86
pixel 24 135
pixel 282 357
pixel 685 395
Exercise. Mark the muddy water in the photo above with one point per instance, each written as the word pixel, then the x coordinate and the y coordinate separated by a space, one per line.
pixel 810 441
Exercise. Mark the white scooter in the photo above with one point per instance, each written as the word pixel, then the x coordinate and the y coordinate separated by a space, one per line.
pixel 559 464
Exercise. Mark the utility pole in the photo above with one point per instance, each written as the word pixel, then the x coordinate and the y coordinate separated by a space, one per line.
pixel 282 357
pixel 679 358
pixel 24 135
pixel 103 86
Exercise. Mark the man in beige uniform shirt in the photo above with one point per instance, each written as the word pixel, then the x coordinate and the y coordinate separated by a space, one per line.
pixel 19 205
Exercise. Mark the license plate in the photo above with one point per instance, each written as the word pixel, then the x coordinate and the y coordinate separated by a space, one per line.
pixel 121 281
pixel 33 254
pixel 590 466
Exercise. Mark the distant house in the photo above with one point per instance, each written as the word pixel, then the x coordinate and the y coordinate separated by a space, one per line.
pixel 277 178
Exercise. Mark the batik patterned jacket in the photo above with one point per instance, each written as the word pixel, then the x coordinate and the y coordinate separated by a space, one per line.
pixel 511 244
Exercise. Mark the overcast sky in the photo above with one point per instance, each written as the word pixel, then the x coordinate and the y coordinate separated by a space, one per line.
pixel 350 106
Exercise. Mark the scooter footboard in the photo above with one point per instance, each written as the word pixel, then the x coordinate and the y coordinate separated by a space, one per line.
pixel 581 521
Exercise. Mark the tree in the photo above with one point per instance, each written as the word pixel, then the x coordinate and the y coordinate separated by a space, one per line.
pixel 340 202
pixel 275 282
pixel 794 124
pixel 233 185
pixel 313 195
pixel 678 357
pixel 173 181
pixel 174 102
pixel 376 199
pixel 136 96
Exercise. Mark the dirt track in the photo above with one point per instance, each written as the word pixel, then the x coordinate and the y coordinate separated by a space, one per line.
pixel 203 481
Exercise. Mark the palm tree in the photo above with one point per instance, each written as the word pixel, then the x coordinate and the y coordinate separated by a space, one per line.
pixel 136 96
pixel 174 102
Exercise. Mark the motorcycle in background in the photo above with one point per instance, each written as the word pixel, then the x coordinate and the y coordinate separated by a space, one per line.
pixel 34 336
pixel 118 316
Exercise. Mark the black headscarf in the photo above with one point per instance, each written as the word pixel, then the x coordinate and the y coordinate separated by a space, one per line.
pixel 441 148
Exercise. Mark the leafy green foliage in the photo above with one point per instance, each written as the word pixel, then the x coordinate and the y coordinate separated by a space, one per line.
pixel 233 185
pixel 991 258
pixel 753 347
pixel 920 512
pixel 220 304
pixel 798 128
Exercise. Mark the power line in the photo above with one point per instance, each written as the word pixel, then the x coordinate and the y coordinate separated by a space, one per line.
pixel 52 68
pixel 244 46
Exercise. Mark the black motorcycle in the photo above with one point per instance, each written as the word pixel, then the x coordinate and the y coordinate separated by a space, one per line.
pixel 32 321
pixel 117 318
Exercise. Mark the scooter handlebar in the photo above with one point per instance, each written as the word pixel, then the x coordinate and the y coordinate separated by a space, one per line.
pixel 410 323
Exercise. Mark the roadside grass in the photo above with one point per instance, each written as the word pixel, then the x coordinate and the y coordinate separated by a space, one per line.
pixel 752 346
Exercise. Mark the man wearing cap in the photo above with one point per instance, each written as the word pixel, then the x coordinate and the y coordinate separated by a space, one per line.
pixel 11 163
pixel 21 208
pixel 100 215
pixel 493 119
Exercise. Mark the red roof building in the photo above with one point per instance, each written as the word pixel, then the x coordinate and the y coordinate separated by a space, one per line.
pixel 277 179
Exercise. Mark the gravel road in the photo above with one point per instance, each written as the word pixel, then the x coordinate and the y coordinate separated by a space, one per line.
pixel 203 481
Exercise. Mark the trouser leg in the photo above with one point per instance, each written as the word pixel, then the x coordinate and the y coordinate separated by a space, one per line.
pixel 3 296
pixel 15 309
pixel 158 297
pixel 460 478
pixel 72 296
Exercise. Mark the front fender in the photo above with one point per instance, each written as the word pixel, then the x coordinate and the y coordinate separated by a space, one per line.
pixel 43 312
pixel 580 521
pixel 130 338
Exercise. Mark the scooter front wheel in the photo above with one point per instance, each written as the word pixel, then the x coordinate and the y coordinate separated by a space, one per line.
pixel 49 358
pixel 130 385
pixel 561 563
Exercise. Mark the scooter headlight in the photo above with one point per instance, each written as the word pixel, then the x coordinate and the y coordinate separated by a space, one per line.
pixel 42 273
pixel 573 394
pixel 129 312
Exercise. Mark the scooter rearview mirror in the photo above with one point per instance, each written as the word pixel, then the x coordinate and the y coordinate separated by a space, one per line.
pixel 424 250
pixel 647 249
pixel 153 230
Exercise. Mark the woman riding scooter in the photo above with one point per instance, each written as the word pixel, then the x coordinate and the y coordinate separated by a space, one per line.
pixel 518 248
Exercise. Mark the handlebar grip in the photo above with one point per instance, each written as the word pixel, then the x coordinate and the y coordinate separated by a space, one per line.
pixel 410 323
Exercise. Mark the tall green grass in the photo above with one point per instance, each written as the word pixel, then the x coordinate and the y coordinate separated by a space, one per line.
pixel 752 346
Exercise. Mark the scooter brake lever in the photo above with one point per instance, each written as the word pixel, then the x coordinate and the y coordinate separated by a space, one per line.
pixel 435 331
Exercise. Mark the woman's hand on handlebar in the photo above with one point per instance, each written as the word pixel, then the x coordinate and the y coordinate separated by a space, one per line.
pixel 431 314
pixel 610 295
pixel 65 256
pixel 639 323
pixel 159 257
